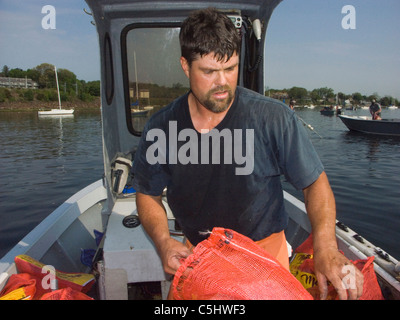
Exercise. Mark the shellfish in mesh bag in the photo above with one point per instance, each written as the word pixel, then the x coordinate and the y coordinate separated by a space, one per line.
pixel 231 266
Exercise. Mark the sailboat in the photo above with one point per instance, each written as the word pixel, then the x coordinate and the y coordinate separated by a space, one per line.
pixel 137 112
pixel 60 110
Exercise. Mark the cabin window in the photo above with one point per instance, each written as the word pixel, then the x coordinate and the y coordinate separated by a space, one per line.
pixel 153 74
pixel 108 67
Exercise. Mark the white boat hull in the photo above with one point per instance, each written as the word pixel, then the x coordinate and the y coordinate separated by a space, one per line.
pixel 56 112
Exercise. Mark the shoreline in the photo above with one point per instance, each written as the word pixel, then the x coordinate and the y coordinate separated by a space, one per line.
pixel 21 106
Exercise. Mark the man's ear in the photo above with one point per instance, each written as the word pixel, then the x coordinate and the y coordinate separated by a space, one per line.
pixel 185 66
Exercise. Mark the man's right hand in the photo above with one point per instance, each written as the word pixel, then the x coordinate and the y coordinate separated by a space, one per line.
pixel 172 252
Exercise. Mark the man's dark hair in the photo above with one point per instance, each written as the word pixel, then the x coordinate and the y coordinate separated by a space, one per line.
pixel 206 31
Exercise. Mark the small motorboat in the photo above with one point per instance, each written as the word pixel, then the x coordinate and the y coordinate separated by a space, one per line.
pixel 327 111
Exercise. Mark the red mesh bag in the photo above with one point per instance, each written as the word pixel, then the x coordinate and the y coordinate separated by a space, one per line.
pixel 65 294
pixel 231 266
pixel 302 267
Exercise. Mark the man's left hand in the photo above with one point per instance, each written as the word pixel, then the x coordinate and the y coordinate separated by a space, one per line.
pixel 331 265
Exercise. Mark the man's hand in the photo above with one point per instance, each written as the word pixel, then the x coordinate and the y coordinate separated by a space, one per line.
pixel 172 252
pixel 333 266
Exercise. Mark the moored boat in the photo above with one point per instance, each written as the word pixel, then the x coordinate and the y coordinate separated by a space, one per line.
pixel 139 113
pixel 365 124
pixel 60 110
pixel 56 112
pixel 327 111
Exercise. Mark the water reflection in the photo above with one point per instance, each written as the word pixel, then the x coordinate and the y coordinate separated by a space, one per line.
pixel 374 143
pixel 56 122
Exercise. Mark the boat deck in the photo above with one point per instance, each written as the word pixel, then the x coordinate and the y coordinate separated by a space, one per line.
pixel 129 255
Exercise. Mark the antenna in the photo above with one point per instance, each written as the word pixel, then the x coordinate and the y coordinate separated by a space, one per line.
pixel 257 29
pixel 90 14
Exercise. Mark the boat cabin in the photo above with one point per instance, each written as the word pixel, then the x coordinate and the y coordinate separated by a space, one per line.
pixel 140 69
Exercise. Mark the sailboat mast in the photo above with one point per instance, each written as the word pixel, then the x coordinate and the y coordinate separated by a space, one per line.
pixel 58 89
pixel 137 86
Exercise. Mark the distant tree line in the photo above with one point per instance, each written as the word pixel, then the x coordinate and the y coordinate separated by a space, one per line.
pixel 71 87
pixel 327 96
pixel 158 95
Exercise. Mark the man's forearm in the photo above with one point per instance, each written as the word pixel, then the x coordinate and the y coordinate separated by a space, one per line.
pixel 329 263
pixel 153 217
pixel 321 209
pixel 154 220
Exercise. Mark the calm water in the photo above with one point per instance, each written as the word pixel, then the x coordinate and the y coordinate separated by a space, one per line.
pixel 364 173
pixel 45 161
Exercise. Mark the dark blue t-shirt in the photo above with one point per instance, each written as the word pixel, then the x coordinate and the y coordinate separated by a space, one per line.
pixel 229 177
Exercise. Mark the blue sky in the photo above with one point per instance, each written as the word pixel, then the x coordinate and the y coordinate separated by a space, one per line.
pixel 306 44
pixel 73 45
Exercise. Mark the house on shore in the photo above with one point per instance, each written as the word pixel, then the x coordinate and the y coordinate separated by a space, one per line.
pixel 23 83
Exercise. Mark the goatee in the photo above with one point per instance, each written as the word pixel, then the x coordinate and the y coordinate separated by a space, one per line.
pixel 218 106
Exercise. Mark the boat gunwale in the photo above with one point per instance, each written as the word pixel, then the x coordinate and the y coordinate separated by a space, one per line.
pixel 40 239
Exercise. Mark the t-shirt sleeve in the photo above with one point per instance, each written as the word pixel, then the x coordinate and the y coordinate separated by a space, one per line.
pixel 298 159
pixel 148 178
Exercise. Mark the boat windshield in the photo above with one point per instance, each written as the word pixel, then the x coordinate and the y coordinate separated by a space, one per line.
pixel 155 75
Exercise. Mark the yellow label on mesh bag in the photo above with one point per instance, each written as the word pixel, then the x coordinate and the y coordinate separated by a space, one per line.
pixel 79 278
pixel 308 280
pixel 17 294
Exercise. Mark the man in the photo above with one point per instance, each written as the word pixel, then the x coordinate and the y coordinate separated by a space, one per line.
pixel 291 104
pixel 375 110
pixel 239 193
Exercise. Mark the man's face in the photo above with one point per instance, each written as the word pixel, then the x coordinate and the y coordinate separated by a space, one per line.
pixel 213 82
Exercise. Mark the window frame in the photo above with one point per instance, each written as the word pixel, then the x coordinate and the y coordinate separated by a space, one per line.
pixel 109 69
pixel 125 72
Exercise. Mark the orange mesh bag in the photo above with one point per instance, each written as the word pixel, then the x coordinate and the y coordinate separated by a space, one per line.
pixel 19 287
pixel 77 281
pixel 65 294
pixel 231 266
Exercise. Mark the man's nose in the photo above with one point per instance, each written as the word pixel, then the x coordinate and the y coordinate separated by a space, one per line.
pixel 220 78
